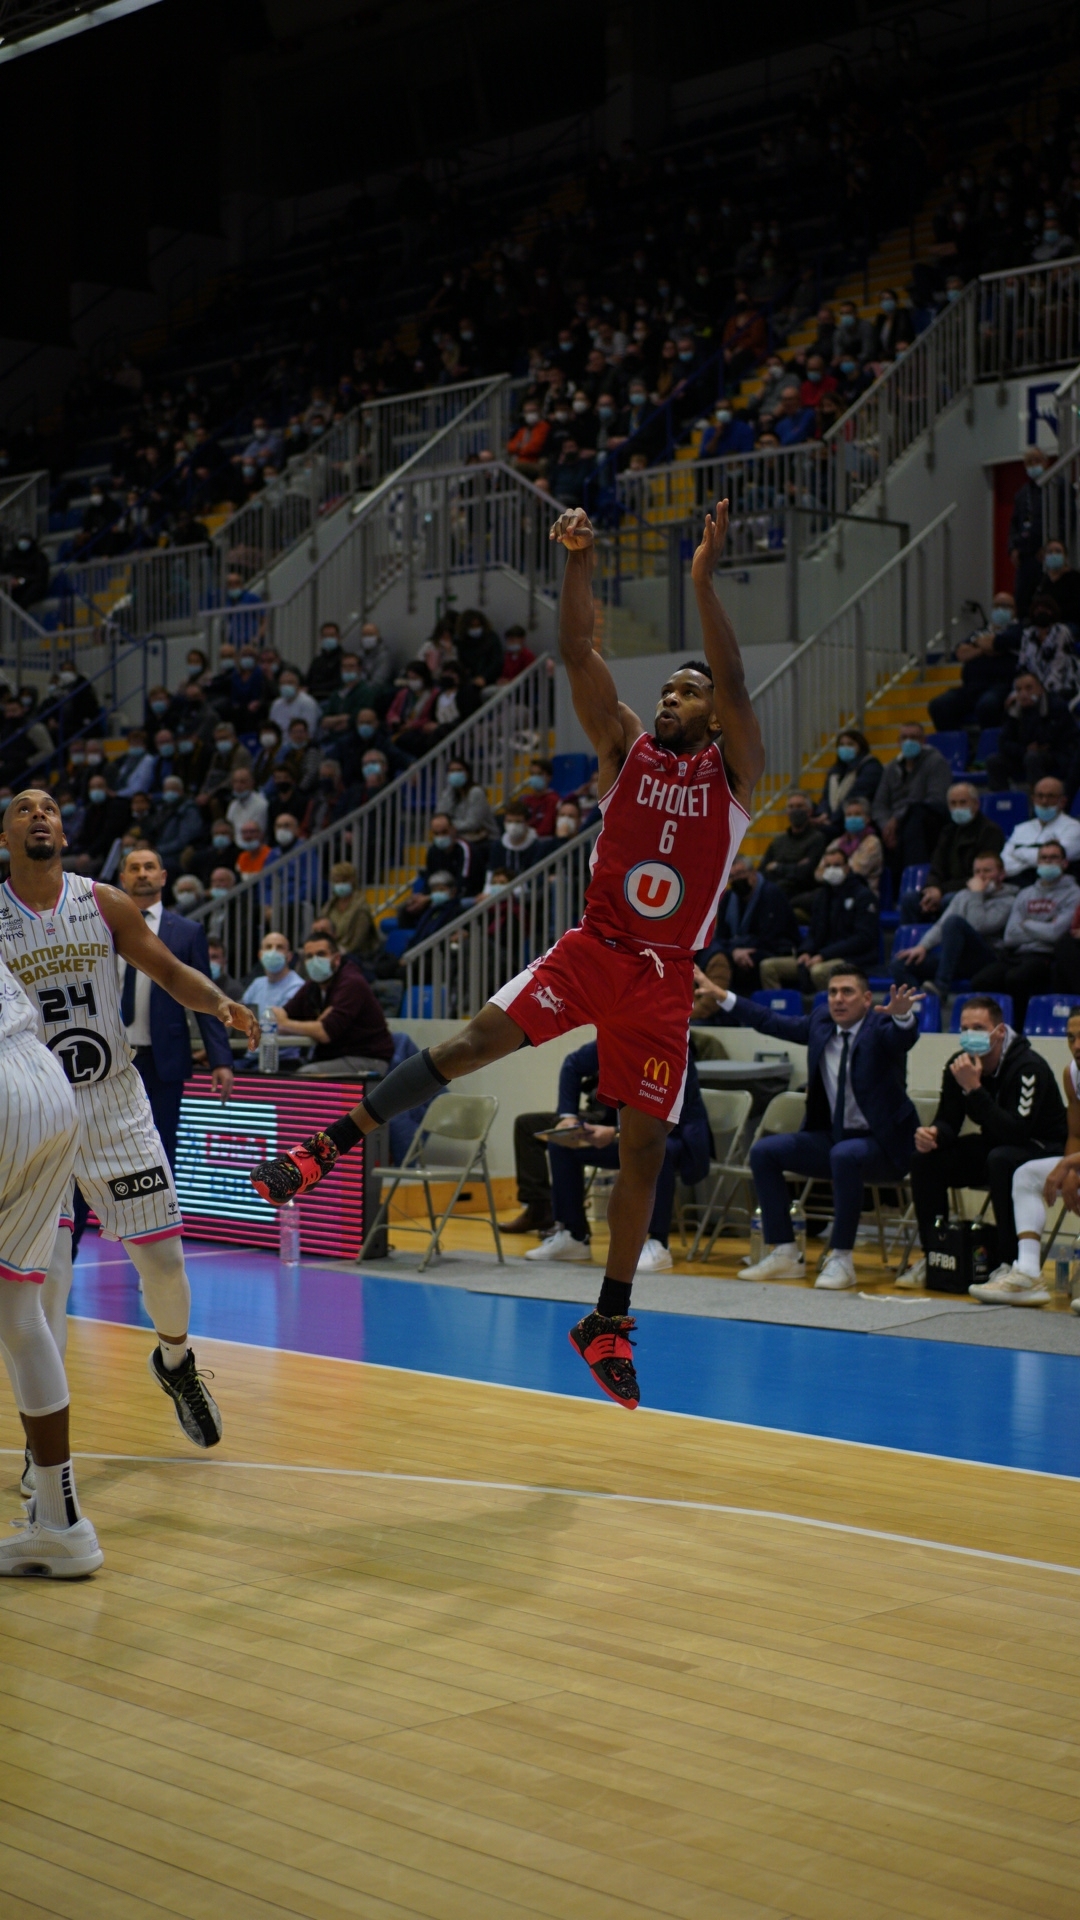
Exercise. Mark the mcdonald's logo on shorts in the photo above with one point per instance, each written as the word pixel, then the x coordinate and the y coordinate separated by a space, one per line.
pixel 657 1071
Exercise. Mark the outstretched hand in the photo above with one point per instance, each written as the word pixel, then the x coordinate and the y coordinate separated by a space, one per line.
pixel 713 537
pixel 244 1019
pixel 902 1001
pixel 573 530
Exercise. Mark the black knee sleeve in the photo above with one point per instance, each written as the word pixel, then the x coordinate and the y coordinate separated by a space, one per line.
pixel 411 1084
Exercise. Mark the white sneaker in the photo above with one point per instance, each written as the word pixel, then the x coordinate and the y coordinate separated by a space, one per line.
pixel 52 1553
pixel 1008 1287
pixel 777 1265
pixel 837 1273
pixel 28 1483
pixel 561 1245
pixel 655 1258
pixel 912 1277
pixel 1076 1304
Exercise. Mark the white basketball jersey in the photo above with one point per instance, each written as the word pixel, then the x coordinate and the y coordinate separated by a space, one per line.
pixel 16 1013
pixel 65 962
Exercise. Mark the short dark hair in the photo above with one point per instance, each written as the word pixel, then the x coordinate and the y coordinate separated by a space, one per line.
pixel 851 973
pixel 144 846
pixel 327 937
pixel 988 1004
pixel 696 666
pixel 1043 844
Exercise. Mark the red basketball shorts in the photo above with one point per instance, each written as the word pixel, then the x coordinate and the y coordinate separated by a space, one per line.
pixel 640 1007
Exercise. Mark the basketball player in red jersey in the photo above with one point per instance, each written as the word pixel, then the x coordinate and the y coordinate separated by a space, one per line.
pixel 675 805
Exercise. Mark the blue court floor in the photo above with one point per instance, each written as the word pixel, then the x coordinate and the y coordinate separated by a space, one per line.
pixel 996 1405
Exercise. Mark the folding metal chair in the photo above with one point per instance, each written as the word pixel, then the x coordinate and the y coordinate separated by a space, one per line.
pixel 784 1114
pixel 449 1145
pixel 728 1111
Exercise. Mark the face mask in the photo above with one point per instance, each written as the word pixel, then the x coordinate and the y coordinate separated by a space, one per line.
pixel 350 678
pixel 247 665
pixel 369 640
pixel 476 633
pixel 319 968
pixel 171 795
pixel 342 888
pixel 284 836
pixel 93 759
pixel 186 902
pixel 66 677
pixel 888 306
pixel 1046 814
pixel 268 740
pixel 847 367
pixel 159 706
pixel 442 841
pixel 581 406
pixel 1033 469
pixel 531 419
pixel 854 822
pixel 439 898
pixel 637 398
pixel 330 643
pixel 516 832
pixel 288 690
pixel 687 354
pixel 365 730
pixel 223 747
pixel 1054 562
pixel 1048 872
pixel 220 893
pixel 456 780
pixel 67 809
pixel 976 1041
pixel 413 686
pixel 565 826
pixel 834 876
pixel 961 816
pixel 1001 617
pixel 797 820
pixel 911 749
pixel 273 960
pixel 215 965
pixel 537 782
pixel 185 746
pixel 97 795
pixel 605 413
pixel 221 841
pixel 846 755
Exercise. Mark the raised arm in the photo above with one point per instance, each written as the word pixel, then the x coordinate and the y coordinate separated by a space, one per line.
pixel 744 754
pixel 611 726
pixel 135 943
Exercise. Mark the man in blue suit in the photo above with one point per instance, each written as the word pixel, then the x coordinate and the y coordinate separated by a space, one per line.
pixel 859 1127
pixel 155 1023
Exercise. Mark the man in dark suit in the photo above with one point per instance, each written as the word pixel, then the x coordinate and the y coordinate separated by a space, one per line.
pixel 155 1023
pixel 859 1125
pixel 755 922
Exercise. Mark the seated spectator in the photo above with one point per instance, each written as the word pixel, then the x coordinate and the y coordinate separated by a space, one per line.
pixel 1003 1089
pixel 726 434
pixel 744 339
pixel 1048 650
pixel 444 905
pixel 860 847
pixel 755 923
pixel 374 773
pixel 911 802
pixel 368 736
pixel 567 819
pixel 560 1195
pixel 793 424
pixel 229 756
pixel 293 703
pixel 967 833
pixel 1060 583
pixel 844 932
pixel 332 799
pixel 969 934
pixel 445 853
pixel 791 856
pixel 894 326
pixel 376 667
pixel 246 805
pixel 324 674
pixel 988 666
pixel 219 967
pixel 105 819
pixel 245 623
pixel 265 448
pixel 570 473
pixel 1050 822
pixel 254 849
pixel 1040 915
pixel 521 845
pixel 188 893
pixel 517 655
pixel 854 772
pixel 337 1009
pixel 134 770
pixel 77 703
pixel 219 849
pixel 299 758
pixel 466 804
pixel 859 1125
pixel 480 653
pixel 178 826
pixel 526 445
pixel 26 567
pixel 277 983
pixel 269 754
pixel 249 693
pixel 1038 736
pixel 818 382
pixel 348 915
pixel 1036 1187
pixel 222 884
pixel 540 799
pixel 410 718
pixel 343 704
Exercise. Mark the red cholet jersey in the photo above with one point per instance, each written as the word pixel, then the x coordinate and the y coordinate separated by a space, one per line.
pixel 672 828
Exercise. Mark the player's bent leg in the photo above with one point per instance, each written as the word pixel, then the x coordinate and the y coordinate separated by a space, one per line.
pixel 603 1337
pixel 167 1298
pixel 489 1037
pixel 54 1540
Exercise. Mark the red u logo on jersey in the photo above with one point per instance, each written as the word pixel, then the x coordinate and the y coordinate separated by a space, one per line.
pixel 654 889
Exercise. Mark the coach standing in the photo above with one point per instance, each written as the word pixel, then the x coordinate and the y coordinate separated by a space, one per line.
pixel 155 1023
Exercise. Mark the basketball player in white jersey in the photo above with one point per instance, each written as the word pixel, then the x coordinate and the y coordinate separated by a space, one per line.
pixel 675 803
pixel 60 935
pixel 39 1127
pixel 1036 1187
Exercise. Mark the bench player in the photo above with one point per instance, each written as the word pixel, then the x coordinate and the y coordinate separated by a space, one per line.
pixel 675 805
pixel 39 1126
pixel 60 935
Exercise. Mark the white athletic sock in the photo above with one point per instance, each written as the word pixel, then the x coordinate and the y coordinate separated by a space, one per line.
pixel 56 1503
pixel 174 1353
pixel 846 1254
pixel 788 1248
pixel 57 1287
pixel 1029 1258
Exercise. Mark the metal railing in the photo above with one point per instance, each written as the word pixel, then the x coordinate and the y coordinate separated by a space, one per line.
pixel 24 507
pixel 385 839
pixel 902 612
pixel 118 670
pixel 452 974
pixel 1029 318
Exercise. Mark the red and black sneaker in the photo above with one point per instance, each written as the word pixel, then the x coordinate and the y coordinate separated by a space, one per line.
pixel 604 1345
pixel 295 1172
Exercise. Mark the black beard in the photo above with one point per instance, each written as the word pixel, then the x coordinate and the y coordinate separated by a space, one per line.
pixel 40 852
pixel 676 743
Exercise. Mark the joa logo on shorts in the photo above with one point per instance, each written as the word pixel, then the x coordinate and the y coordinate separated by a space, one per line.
pixel 654 889
pixel 657 1072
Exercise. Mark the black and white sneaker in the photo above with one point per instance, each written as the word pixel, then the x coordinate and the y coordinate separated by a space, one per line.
pixel 28 1483
pixel 196 1408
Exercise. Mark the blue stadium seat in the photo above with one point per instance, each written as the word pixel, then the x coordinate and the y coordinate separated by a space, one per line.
pixel 1004 1001
pixel 569 771
pixel 397 938
pixel 908 936
pixel 1008 810
pixel 1048 1013
pixel 914 879
pixel 954 747
pixel 779 1000
pixel 420 1004
pixel 988 742
pixel 885 891
pixel 928 1013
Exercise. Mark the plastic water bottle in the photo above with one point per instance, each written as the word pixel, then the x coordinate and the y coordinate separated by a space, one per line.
pixel 268 1041
pixel 757 1238
pixel 289 1235
pixel 798 1227
pixel 1063 1267
pixel 1074 1271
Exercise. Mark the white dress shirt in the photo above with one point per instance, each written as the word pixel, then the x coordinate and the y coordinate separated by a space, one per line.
pixel 855 1120
pixel 246 807
pixel 139 1031
pixel 1023 842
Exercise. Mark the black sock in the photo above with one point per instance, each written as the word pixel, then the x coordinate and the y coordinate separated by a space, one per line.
pixel 344 1133
pixel 614 1298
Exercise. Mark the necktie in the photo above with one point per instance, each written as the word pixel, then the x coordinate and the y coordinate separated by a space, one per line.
pixel 841 1091
pixel 127 992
